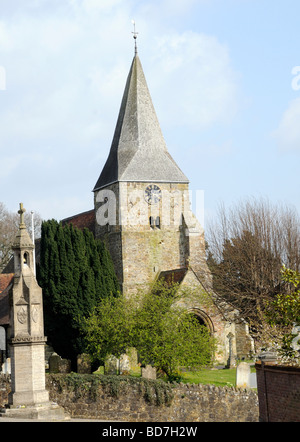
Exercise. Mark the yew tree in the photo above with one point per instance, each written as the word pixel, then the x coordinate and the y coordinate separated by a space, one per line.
pixel 75 273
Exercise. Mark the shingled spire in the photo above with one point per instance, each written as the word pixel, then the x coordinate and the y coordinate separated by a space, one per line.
pixel 138 151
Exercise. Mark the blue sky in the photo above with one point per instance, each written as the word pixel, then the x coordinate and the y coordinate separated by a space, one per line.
pixel 220 76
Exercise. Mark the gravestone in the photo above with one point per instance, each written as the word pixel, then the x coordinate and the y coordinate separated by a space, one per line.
pixel 84 365
pixel 243 375
pixel 59 365
pixel 253 380
pixel 124 364
pixel 149 372
pixel 111 365
pixel 133 358
pixel 54 361
pixel 6 366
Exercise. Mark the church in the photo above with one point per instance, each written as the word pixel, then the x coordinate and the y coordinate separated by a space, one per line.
pixel 142 212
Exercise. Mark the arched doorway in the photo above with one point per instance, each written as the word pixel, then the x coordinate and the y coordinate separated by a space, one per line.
pixel 203 319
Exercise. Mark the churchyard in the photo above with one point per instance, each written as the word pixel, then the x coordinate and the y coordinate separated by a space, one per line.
pixel 136 272
pixel 208 395
pixel 222 377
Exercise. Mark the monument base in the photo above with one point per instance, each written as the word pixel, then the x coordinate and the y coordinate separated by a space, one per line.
pixel 45 411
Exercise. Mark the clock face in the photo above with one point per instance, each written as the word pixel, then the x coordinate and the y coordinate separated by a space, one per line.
pixel 152 194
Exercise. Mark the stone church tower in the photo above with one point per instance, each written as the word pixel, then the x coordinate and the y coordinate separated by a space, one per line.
pixel 141 198
pixel 142 212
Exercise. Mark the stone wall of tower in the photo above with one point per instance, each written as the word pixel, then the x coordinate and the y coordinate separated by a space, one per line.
pixel 140 251
pixel 109 229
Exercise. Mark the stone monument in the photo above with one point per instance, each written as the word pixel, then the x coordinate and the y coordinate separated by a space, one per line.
pixel 29 398
pixel 243 372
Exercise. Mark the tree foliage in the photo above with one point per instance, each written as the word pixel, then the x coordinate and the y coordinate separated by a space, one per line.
pixel 75 272
pixel 285 308
pixel 162 331
pixel 283 314
pixel 109 328
pixel 168 336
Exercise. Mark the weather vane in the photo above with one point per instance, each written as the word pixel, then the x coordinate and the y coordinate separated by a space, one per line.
pixel 135 34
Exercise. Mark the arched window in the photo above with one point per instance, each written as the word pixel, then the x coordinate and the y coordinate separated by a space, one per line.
pixel 157 222
pixel 26 258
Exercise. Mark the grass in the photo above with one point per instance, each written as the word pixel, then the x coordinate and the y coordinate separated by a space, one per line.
pixel 220 378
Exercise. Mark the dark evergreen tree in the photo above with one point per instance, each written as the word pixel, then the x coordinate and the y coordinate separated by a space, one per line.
pixel 75 272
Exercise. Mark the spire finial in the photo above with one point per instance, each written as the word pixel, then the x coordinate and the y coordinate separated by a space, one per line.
pixel 135 34
pixel 21 213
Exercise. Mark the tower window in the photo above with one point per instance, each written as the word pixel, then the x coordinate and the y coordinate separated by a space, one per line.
pixel 152 222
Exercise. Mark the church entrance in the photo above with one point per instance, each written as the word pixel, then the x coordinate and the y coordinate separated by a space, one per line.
pixel 203 319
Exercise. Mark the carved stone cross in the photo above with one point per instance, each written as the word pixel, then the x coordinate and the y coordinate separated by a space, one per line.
pixel 21 213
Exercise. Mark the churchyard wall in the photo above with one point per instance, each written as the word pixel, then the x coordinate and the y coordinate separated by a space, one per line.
pixel 120 398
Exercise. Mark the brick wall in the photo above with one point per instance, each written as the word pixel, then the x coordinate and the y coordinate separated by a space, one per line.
pixel 189 402
pixel 278 392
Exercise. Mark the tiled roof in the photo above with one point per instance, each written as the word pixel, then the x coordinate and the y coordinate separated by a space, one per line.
pixel 82 220
pixel 5 279
pixel 173 276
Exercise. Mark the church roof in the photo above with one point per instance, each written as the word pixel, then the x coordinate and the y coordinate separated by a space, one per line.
pixel 138 151
pixel 5 279
pixel 174 276
pixel 82 220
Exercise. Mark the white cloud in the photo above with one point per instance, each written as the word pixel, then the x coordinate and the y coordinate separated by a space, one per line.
pixel 287 134
pixel 66 65
pixel 198 82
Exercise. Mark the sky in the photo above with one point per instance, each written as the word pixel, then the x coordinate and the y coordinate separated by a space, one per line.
pixel 224 76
